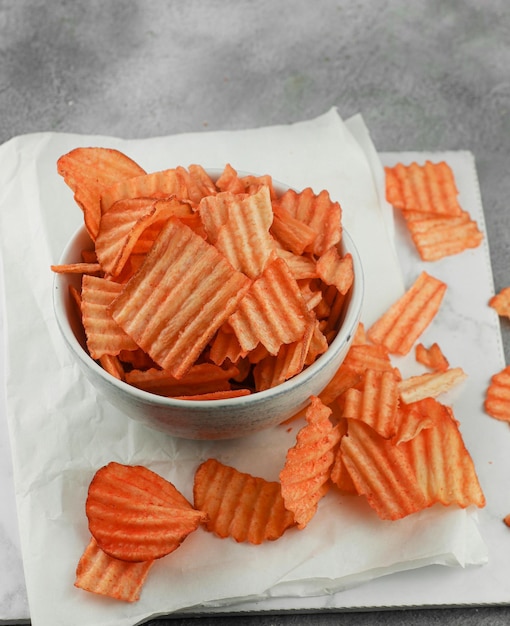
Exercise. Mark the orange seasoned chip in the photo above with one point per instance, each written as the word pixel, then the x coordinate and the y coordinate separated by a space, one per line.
pixel 244 238
pixel 88 172
pixel 290 361
pixel 239 505
pixel 200 378
pixel 162 184
pixel 305 475
pixel 497 398
pixel 436 238
pixel 361 357
pixel 77 268
pixel 198 182
pixel 104 335
pixel 442 464
pixel 318 212
pixel 217 395
pixel 381 472
pixel 273 312
pixel 112 364
pixel 427 196
pixel 401 325
pixel 432 357
pixel 181 295
pixel 336 270
pixel 500 302
pixel 431 384
pixel 126 221
pixel 411 419
pixel 293 234
pixel 136 515
pixel 376 402
pixel 429 188
pixel 301 267
pixel 99 573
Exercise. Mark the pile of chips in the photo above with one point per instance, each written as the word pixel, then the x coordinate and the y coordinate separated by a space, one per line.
pixel 370 433
pixel 202 289
pixel 195 283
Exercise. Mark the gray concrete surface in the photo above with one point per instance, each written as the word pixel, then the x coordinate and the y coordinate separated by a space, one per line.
pixel 429 75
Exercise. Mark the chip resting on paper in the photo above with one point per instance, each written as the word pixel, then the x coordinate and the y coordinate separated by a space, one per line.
pixel 305 475
pixel 497 398
pixel 238 505
pixel 427 198
pixel 99 573
pixel 136 515
pixel 401 325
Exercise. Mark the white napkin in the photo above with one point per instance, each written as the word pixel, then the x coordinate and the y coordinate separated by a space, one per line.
pixel 61 432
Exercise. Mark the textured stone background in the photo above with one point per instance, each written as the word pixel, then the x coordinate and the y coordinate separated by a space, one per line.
pixel 429 75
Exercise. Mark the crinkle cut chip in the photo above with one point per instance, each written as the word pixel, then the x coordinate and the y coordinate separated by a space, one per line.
pixel 88 172
pixel 497 398
pixel 239 505
pixel 401 325
pixel 182 294
pixel 104 335
pixel 318 212
pixel 305 475
pixel 273 312
pixel 99 573
pixel 136 515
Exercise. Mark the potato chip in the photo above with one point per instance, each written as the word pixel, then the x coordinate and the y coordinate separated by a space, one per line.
pixel 99 573
pixel 182 294
pixel 77 268
pixel 361 357
pixel 401 325
pixel 125 222
pixel 293 234
pixel 200 378
pixel 305 475
pixel 376 402
pixel 217 395
pixel 318 212
pixel 437 238
pixel 198 182
pixel 225 345
pixel 162 184
pixel 230 180
pixel 497 398
pixel 500 302
pixel 442 464
pixel 381 472
pixel 427 197
pixel 411 419
pixel 112 364
pixel 273 312
pixel 136 515
pixel 301 267
pixel 244 238
pixel 430 384
pixel 429 188
pixel 88 172
pixel 336 270
pixel 239 505
pixel 290 361
pixel 432 357
pixel 104 335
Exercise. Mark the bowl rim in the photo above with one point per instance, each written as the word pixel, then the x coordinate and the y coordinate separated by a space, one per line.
pixel 350 321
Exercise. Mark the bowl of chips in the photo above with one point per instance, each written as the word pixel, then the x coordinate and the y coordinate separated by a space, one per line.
pixel 208 327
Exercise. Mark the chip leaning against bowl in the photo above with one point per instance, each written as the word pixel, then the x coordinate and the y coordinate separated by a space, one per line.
pixel 210 304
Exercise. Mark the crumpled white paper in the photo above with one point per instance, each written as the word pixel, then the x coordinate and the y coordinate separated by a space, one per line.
pixel 61 432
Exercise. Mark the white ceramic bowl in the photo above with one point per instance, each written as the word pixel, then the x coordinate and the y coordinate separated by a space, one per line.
pixel 207 419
